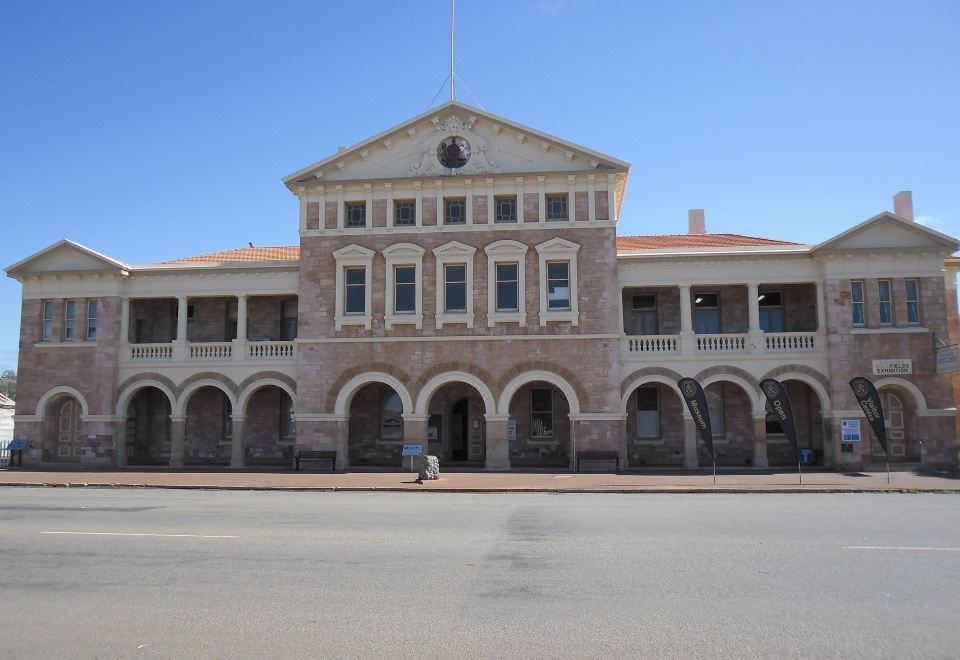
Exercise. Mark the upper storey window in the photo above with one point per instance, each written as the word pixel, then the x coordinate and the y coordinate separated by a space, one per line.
pixel 356 214
pixel 556 207
pixel 505 209
pixel 453 152
pixel 47 321
pixel 856 296
pixel 405 213
pixel 454 211
pixel 706 313
pixel 913 301
pixel 886 302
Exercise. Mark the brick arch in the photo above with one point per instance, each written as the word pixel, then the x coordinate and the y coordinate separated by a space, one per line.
pixel 462 367
pixel 134 384
pixel 204 379
pixel 333 392
pixel 267 375
pixel 61 391
pixel 540 365
pixel 744 379
pixel 661 375
pixel 254 383
pixel 463 377
pixel 812 378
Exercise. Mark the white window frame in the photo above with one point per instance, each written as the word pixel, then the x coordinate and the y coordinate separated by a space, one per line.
pixel 881 302
pixel 912 301
pixel 862 303
pixel 453 252
pixel 558 249
pixel 403 254
pixel 503 252
pixel 353 255
pixel 95 303
pixel 46 321
pixel 69 320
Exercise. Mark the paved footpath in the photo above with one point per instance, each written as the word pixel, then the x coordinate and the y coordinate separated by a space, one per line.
pixel 649 482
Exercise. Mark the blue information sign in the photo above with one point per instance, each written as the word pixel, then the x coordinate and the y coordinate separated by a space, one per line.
pixel 412 450
pixel 18 444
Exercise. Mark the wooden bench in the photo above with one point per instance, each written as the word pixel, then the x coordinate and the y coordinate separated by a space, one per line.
pixel 597 461
pixel 322 457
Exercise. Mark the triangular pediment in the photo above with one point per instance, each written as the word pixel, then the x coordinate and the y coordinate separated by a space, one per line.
pixel 454 248
pixel 65 257
pixel 888 232
pixel 494 145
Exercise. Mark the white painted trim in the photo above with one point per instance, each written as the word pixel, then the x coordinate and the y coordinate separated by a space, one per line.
pixel 754 395
pixel 506 252
pixel 450 253
pixel 438 381
pixel 345 396
pixel 906 385
pixel 353 255
pixel 887 330
pixel 558 249
pixel 403 254
pixel 123 401
pixel 457 229
pixel 65 344
pixel 251 389
pixel 503 407
pixel 41 409
pixel 531 337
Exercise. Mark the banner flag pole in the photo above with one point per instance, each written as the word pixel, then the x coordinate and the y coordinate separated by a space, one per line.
pixel 696 400
pixel 779 403
pixel 869 400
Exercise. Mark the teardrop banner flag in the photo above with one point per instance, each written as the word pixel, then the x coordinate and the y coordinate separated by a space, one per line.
pixel 869 400
pixel 776 394
pixel 697 404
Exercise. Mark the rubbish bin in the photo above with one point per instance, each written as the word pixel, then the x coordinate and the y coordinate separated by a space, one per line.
pixel 806 456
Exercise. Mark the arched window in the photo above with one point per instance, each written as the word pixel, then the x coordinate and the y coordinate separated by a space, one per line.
pixel 391 415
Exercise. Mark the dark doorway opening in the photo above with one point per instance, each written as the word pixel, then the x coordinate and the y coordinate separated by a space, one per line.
pixel 459 433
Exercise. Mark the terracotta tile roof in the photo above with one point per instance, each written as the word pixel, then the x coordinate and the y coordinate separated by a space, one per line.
pixel 953 259
pixel 663 241
pixel 247 254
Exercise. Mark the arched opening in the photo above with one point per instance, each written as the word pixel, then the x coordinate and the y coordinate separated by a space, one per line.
pixel 655 433
pixel 808 419
pixel 269 429
pixel 208 435
pixel 148 427
pixel 900 416
pixel 456 427
pixel 64 438
pixel 731 418
pixel 539 426
pixel 375 432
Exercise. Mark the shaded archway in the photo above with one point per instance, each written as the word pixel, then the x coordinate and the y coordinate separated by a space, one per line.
pixel 654 426
pixel 732 410
pixel 63 428
pixel 147 436
pixel 375 429
pixel 900 406
pixel 207 408
pixel 269 431
pixel 456 429
pixel 807 405
pixel 539 427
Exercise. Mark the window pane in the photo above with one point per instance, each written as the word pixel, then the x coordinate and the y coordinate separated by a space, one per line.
pixel 541 399
pixel 405 213
pixel 506 272
pixel 912 290
pixel 507 296
pixel 913 312
pixel 648 424
pixel 647 398
pixel 884 286
pixel 356 213
pixel 558 270
pixel 455 212
pixel 541 407
pixel 771 320
pixel 356 275
pixel 505 209
pixel 455 293
pixel 405 274
pixel 707 321
pixel 856 289
pixel 886 315
pixel 91 319
pixel 645 301
pixel 706 300
pixel 770 299
pixel 355 302
pixel 858 314
pixel 556 207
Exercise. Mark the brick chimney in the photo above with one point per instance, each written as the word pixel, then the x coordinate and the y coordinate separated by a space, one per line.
pixel 903 205
pixel 698 225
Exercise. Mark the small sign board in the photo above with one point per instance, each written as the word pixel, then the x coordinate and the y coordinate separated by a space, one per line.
pixel 892 367
pixel 17 444
pixel 948 359
pixel 850 430
pixel 512 430
pixel 412 450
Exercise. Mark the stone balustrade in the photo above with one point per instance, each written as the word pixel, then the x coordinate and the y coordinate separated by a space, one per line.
pixel 653 344
pixel 790 342
pixel 151 352
pixel 726 343
pixel 271 350
pixel 636 347
pixel 210 351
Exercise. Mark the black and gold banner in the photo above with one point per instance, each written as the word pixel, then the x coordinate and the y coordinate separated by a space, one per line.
pixel 776 395
pixel 697 404
pixel 869 400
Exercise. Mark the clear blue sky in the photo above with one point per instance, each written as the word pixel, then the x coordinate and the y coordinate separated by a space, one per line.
pixel 151 130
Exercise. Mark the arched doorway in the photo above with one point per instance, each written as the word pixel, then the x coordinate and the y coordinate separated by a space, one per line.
pixel 375 432
pixel 731 418
pixel 65 439
pixel 539 426
pixel 269 434
pixel 208 434
pixel 900 417
pixel 456 429
pixel 148 427
pixel 654 428
pixel 808 420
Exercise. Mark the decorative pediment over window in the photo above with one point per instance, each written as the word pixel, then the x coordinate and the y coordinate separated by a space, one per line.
pixel 454 250
pixel 399 251
pixel 353 254
pixel 557 247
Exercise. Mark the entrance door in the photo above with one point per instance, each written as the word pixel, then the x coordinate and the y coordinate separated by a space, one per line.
pixel 459 435
pixel 896 433
pixel 69 439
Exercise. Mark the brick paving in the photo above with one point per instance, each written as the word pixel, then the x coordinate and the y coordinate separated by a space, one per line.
pixel 491 482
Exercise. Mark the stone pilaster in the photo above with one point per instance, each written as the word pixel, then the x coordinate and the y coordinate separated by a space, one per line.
pixel 237 445
pixel 498 444
pixel 760 441
pixel 178 433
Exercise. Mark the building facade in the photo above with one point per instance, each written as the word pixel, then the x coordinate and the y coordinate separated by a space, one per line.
pixel 459 283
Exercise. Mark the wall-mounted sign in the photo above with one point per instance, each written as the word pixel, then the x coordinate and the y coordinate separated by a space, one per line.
pixel 892 367
pixel 948 359
pixel 850 430
pixel 512 430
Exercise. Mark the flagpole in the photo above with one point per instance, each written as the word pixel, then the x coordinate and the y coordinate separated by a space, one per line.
pixel 714 470
pixel 799 470
pixel 888 469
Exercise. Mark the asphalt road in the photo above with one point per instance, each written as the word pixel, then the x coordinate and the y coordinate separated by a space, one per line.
pixel 181 574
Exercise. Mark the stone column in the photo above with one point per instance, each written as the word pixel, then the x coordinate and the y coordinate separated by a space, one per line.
pixel 520 219
pixel 760 441
pixel 821 309
pixel 240 342
pixel 688 345
pixel 541 199
pixel 572 197
pixel 468 183
pixel 124 321
pixel 611 197
pixel 178 432
pixel 440 206
pixel 592 197
pixel 180 343
pixel 690 458
pixel 624 451
pixel 491 211
pixel 498 444
pixel 238 445
pixel 120 442
pixel 753 307
pixel 388 187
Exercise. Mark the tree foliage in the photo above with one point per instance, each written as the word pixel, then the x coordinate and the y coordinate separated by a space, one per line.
pixel 8 383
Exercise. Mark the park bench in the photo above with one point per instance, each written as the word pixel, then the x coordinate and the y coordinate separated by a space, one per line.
pixel 597 461
pixel 319 457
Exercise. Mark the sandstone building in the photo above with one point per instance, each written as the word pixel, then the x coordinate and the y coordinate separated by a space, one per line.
pixel 459 282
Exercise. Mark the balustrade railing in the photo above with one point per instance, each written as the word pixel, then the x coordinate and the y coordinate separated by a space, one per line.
pixel 653 344
pixel 271 350
pixel 151 351
pixel 790 342
pixel 211 351
pixel 722 343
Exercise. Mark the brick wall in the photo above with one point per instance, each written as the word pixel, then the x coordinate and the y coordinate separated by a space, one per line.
pixel 209 322
pixel 527 450
pixel 207 417
pixel 667 450
pixel 264 446
pixel 668 308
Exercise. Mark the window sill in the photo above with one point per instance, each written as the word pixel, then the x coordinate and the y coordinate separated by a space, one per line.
pixel 366 320
pixel 507 317
pixel 391 320
pixel 542 441
pixel 566 316
pixel 64 344
pixel 648 442
pixel 454 318
pixel 887 330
